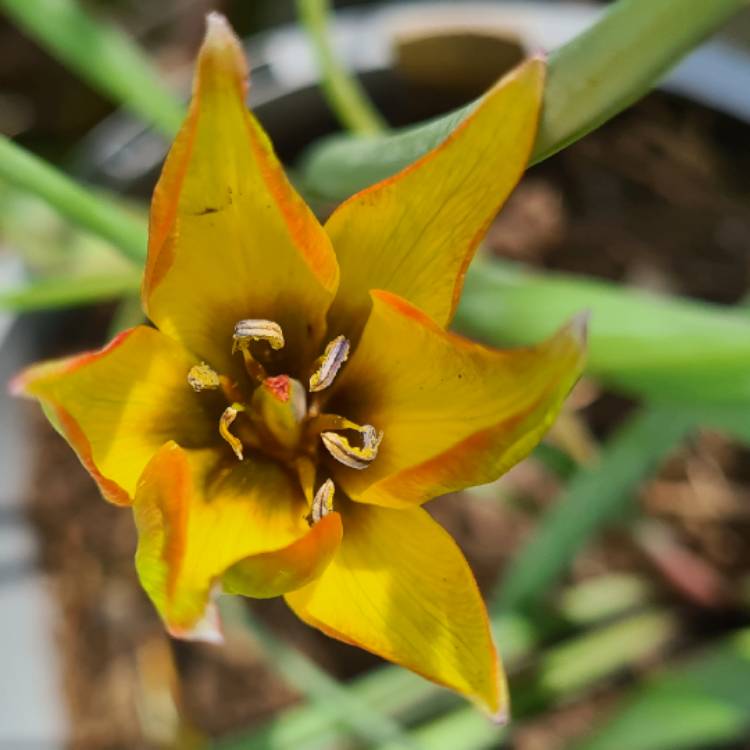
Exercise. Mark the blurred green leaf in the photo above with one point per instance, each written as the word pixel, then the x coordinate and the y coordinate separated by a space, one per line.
pixel 343 92
pixel 342 706
pixel 128 313
pixel 101 55
pixel 600 598
pixel 704 703
pixel 561 672
pixel 66 292
pixel 48 244
pixel 90 210
pixel 594 497
pixel 664 348
pixel 591 658
pixel 388 690
pixel 590 79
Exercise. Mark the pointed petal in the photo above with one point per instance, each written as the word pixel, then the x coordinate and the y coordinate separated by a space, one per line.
pixel 415 233
pixel 199 516
pixel 453 413
pixel 117 406
pixel 229 238
pixel 400 587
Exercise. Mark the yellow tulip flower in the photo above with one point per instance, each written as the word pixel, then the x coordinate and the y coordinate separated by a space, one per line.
pixel 299 397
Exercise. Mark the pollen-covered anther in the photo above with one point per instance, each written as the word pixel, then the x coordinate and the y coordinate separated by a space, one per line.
pixel 353 456
pixel 249 330
pixel 202 378
pixel 322 503
pixel 328 365
pixel 225 421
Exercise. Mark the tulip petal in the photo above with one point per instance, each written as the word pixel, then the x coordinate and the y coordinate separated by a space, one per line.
pixel 400 587
pixel 415 233
pixel 200 518
pixel 117 406
pixel 230 239
pixel 453 413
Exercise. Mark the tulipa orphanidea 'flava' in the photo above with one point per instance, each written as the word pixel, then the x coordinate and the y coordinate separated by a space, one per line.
pixel 299 397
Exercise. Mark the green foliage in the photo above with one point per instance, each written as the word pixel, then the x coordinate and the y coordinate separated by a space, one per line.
pixel 343 92
pixel 101 55
pixel 590 79
pixel 704 702
pixel 593 497
pixel 95 212
pixel 60 291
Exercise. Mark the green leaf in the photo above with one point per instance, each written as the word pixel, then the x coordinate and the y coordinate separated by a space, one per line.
pixel 66 292
pixel 128 314
pixel 81 205
pixel 594 497
pixel 703 703
pixel 665 348
pixel 592 78
pixel 101 55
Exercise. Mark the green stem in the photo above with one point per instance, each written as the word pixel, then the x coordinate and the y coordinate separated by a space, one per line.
pixel 97 213
pixel 343 92
pixel 61 291
pixel 102 56
pixel 590 79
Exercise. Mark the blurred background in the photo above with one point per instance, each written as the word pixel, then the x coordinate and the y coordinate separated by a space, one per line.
pixel 633 630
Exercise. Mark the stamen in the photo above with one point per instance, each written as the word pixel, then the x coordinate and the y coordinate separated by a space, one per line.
pixel 249 330
pixel 350 455
pixel 202 378
pixel 227 417
pixel 257 330
pixel 328 365
pixel 322 503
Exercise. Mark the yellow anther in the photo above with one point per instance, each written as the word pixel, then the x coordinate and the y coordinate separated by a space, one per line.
pixel 227 417
pixel 328 365
pixel 322 503
pixel 202 378
pixel 257 330
pixel 350 455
